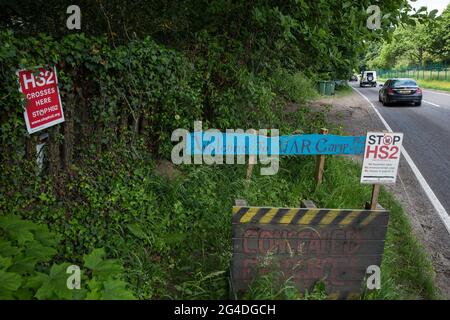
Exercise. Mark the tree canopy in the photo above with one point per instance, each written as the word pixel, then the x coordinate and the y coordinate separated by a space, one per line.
pixel 320 36
pixel 422 43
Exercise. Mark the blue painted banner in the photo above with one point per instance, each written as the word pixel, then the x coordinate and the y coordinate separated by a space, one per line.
pixel 314 144
pixel 243 143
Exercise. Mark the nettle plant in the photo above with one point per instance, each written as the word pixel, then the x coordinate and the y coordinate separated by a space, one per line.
pixel 26 250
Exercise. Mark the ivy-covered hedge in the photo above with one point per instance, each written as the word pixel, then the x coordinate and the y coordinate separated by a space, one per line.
pixel 108 93
pixel 98 187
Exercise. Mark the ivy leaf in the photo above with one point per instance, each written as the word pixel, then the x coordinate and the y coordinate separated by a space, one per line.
pixel 17 228
pixel 93 259
pixel 44 236
pixel 40 252
pixel 108 268
pixel 56 284
pixel 7 249
pixel 45 292
pixel 9 281
pixel 94 295
pixel 23 264
pixel 94 285
pixel 37 280
pixel 137 231
pixel 5 263
pixel 116 290
pixel 23 294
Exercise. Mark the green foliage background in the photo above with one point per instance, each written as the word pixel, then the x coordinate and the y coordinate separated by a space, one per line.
pixel 127 81
pixel 418 44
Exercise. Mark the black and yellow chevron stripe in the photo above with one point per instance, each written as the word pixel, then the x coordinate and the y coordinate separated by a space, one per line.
pixel 308 216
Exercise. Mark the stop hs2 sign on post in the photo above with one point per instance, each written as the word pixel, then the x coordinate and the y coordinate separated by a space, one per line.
pixel 381 157
pixel 43 106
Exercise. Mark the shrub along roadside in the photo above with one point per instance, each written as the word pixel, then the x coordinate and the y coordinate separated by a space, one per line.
pixel 173 235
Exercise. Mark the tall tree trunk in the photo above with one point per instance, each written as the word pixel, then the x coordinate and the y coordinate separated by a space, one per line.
pixel 54 158
pixel 420 56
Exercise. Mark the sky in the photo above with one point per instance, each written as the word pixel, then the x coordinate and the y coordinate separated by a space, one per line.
pixel 431 4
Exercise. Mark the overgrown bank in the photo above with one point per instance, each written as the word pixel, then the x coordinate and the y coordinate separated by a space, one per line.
pixel 99 187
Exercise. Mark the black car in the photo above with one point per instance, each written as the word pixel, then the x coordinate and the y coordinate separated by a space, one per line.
pixel 400 90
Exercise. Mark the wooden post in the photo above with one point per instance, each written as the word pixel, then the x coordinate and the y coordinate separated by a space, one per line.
pixel 251 160
pixel 374 199
pixel 320 162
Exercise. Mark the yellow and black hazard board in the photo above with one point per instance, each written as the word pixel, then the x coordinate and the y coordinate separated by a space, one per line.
pixel 306 245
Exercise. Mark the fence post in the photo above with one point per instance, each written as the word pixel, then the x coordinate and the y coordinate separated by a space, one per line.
pixel 251 160
pixel 374 198
pixel 320 162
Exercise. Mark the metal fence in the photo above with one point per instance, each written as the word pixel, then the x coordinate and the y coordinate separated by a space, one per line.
pixel 440 73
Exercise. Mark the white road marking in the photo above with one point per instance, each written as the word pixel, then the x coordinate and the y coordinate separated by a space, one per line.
pixel 426 187
pixel 433 104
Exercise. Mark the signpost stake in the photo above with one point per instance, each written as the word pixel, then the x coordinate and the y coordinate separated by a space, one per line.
pixel 320 163
pixel 374 199
pixel 251 162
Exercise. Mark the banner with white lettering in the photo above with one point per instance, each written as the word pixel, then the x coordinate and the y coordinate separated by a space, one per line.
pixel 43 107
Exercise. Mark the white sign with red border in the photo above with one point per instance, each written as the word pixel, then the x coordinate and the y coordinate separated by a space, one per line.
pixel 43 107
pixel 381 157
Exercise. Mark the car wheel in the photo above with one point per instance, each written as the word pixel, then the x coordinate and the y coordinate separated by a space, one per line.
pixel 385 103
pixel 418 103
pixel 379 98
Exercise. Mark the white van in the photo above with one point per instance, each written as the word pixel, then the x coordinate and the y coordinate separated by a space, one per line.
pixel 368 78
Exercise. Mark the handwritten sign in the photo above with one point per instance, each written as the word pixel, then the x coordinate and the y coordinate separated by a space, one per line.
pixel 305 144
pixel 307 245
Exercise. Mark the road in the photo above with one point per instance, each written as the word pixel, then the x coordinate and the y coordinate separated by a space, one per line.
pixel 426 136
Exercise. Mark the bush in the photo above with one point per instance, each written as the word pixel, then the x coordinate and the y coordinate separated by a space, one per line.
pixel 294 87
pixel 25 273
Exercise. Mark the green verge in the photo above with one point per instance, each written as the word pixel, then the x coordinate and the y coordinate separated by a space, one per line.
pixel 406 271
pixel 435 84
pixel 429 84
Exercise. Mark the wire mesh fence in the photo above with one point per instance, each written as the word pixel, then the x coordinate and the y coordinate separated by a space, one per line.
pixel 440 73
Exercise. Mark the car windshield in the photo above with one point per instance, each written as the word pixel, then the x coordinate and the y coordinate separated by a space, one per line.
pixel 403 83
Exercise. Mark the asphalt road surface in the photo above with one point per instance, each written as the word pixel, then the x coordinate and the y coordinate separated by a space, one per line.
pixel 426 132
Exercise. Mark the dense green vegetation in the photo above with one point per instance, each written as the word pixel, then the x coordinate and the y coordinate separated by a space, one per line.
pixel 420 44
pixel 127 81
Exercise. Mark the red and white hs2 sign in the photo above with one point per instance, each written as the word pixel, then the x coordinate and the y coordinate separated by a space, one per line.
pixel 43 107
pixel 381 157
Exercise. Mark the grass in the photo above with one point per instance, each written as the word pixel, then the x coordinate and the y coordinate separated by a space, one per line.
pixel 188 227
pixel 407 273
pixel 429 84
pixel 435 84
pixel 174 234
pixel 201 201
pixel 343 91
